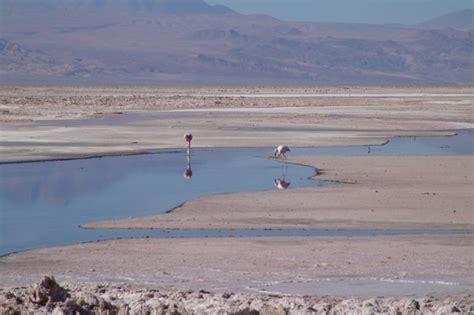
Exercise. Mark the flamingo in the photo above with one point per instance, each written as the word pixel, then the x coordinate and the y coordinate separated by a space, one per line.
pixel 188 137
pixel 281 150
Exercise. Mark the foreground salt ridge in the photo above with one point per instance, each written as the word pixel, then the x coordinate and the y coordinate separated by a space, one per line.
pixel 47 297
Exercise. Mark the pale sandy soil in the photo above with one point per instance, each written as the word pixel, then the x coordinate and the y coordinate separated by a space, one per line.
pixel 36 122
pixel 399 192
pixel 360 266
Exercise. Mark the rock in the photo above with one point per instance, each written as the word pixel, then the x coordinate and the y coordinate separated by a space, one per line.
pixel 107 308
pixel 412 306
pixel 269 310
pixel 48 291
pixel 69 309
pixel 395 311
pixel 455 309
pixel 246 311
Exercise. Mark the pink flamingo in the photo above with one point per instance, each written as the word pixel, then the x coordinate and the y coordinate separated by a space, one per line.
pixel 188 137
pixel 281 150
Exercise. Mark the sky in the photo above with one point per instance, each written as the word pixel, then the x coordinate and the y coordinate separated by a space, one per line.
pixel 358 11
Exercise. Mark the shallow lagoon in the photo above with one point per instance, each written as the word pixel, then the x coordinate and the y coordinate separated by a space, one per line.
pixel 42 203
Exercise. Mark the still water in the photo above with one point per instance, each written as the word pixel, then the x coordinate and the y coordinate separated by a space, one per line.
pixel 43 203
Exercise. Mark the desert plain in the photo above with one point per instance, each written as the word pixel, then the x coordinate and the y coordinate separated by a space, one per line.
pixel 397 192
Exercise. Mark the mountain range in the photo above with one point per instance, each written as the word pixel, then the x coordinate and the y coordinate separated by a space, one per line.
pixel 191 42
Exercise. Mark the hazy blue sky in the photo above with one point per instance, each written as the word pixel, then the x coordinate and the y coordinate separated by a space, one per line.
pixel 363 11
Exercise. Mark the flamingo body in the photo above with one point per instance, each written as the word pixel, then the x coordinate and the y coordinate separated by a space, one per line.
pixel 188 137
pixel 281 150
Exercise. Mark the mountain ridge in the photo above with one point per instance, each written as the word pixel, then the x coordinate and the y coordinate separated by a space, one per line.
pixel 461 19
pixel 186 48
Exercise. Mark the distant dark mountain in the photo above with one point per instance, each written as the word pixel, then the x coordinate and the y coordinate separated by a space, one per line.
pixel 463 20
pixel 161 7
pixel 191 42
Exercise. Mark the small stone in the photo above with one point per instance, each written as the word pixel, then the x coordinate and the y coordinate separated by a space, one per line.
pixel 412 305
pixel 455 309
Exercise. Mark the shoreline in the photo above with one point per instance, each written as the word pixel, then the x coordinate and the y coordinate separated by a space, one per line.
pixel 359 183
pixel 385 140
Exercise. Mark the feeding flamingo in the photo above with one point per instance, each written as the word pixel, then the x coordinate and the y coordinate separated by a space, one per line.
pixel 281 150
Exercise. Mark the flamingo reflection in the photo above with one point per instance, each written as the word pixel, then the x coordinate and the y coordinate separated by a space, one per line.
pixel 282 183
pixel 188 172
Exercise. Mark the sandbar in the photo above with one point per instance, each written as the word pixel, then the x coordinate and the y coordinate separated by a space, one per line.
pixel 396 192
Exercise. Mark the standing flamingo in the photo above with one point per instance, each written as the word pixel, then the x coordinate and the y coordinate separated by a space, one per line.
pixel 188 137
pixel 281 150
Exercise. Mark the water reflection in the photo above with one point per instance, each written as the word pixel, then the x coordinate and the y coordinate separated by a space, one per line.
pixel 282 183
pixel 188 172
pixel 59 183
